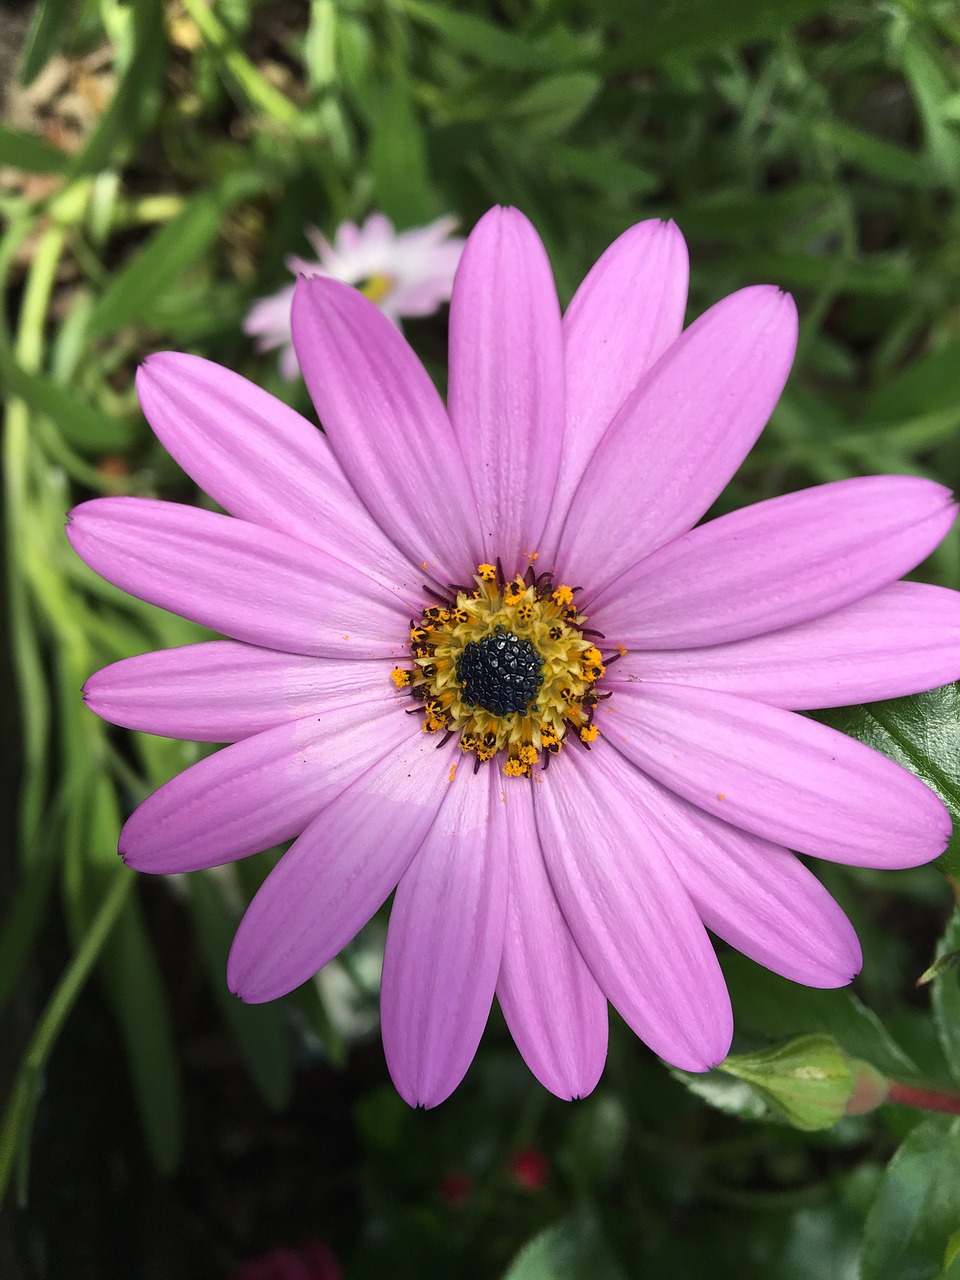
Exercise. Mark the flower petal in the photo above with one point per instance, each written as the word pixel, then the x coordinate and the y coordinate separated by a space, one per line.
pixel 625 314
pixel 387 426
pixel 777 563
pixel 444 944
pixel 221 691
pixel 754 894
pixel 629 912
pixel 506 393
pixel 778 775
pixel 252 584
pixel 261 461
pixel 903 639
pixel 551 1002
pixel 331 881
pixel 265 789
pixel 680 436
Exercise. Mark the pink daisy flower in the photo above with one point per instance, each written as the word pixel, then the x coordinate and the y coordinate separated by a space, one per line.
pixel 558 494
pixel 409 273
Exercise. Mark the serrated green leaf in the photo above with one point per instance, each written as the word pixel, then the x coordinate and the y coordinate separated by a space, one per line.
pixel 914 1217
pixel 569 1250
pixel 923 734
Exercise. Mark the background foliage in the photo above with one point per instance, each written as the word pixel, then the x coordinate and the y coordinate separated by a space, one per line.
pixel 159 160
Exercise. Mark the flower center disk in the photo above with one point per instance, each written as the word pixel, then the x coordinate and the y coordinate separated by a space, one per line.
pixel 508 666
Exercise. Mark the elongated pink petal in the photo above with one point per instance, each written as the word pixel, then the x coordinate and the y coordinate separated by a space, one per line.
pixel 680 436
pixel 444 945
pixel 260 791
pixel 625 314
pixel 555 1011
pixel 506 381
pixel 777 563
pixel 261 461
pixel 331 881
pixel 252 584
pixel 629 912
pixel 778 775
pixel 754 894
pixel 903 639
pixel 222 691
pixel 387 426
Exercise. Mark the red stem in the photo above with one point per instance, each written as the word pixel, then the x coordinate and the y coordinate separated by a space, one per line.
pixel 909 1095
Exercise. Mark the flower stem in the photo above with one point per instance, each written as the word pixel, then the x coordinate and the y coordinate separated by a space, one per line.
pixel 908 1095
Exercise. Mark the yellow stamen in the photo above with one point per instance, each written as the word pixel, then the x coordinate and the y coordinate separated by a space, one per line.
pixel 400 677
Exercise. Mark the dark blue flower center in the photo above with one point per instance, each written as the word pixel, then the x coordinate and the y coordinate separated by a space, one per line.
pixel 500 673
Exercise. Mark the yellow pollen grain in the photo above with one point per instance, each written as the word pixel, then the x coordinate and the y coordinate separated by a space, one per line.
pixel 400 677
pixel 589 733
pixel 532 555
pixel 487 572
pixel 622 650
pixel 453 773
pixel 721 795
pixel 514 768
pixel 563 596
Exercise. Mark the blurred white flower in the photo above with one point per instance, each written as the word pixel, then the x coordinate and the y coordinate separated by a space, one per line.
pixel 409 273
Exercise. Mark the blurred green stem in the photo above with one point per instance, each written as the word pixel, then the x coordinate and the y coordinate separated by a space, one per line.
pixel 27 1088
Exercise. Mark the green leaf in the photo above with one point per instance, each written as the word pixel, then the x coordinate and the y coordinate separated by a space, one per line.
pixel 137 97
pixel 47 30
pixel 259 1029
pixel 808 1080
pixel 28 152
pixel 491 44
pixel 911 1223
pixel 81 424
pixel 553 104
pixel 923 734
pixel 398 159
pixel 945 995
pixel 140 287
pixel 768 1007
pixel 131 974
pixel 927 385
pixel 569 1250
pixel 685 27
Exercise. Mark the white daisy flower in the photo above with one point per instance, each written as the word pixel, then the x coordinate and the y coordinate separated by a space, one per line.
pixel 409 273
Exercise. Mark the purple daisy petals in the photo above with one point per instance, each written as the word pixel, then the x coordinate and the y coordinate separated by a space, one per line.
pixel 629 912
pixel 444 945
pixel 222 691
pixel 625 314
pixel 680 436
pixel 900 640
pixel 249 583
pixel 260 791
pixel 387 426
pixel 339 872
pixel 506 396
pixel 778 775
pixel 556 1013
pixel 753 894
pixel 777 563
pixel 261 461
